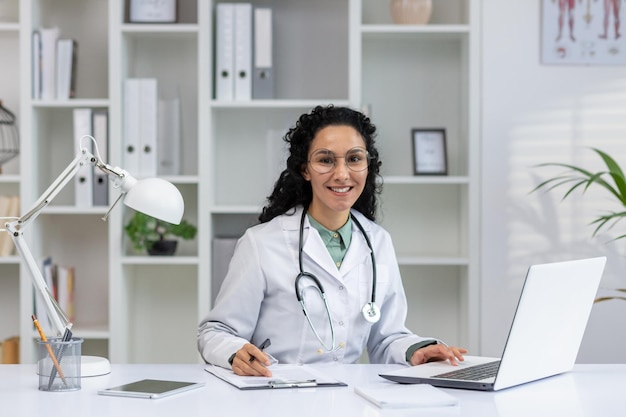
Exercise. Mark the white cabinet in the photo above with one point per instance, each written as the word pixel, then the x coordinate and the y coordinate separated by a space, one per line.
pixel 136 308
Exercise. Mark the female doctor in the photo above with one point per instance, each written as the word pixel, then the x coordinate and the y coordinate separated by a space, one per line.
pixel 318 279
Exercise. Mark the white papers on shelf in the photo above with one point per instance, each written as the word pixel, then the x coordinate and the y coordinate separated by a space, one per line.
pixel 406 396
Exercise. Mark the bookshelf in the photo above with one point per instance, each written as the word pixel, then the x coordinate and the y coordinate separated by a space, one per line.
pixel 407 76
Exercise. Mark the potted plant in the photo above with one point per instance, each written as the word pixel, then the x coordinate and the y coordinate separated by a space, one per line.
pixel 156 236
pixel 612 179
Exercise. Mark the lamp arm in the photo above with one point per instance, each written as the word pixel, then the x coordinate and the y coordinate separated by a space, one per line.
pixel 16 227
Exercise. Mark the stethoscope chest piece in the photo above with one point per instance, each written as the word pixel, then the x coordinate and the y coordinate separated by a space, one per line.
pixel 371 312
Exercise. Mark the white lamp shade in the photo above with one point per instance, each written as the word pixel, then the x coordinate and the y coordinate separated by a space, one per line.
pixel 157 198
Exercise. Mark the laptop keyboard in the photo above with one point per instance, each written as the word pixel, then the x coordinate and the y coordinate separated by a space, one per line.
pixel 473 373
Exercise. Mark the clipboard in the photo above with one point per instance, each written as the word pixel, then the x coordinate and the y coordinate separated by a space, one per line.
pixel 283 376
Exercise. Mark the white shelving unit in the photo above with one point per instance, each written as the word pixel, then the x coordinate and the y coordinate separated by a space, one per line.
pixel 135 308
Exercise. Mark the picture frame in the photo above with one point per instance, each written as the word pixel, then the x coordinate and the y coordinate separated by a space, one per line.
pixel 429 151
pixel 152 11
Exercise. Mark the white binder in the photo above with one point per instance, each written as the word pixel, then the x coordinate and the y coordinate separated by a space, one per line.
pixel 263 73
pixel 169 135
pixel 225 54
pixel 131 125
pixel 148 129
pixel 243 51
pixel 83 189
pixel 100 123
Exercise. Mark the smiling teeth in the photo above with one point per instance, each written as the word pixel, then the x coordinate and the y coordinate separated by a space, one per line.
pixel 341 190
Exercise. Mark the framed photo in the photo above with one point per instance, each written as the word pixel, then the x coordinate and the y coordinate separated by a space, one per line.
pixel 152 11
pixel 429 152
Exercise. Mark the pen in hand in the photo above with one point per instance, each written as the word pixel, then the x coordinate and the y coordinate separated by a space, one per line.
pixel 44 339
pixel 266 343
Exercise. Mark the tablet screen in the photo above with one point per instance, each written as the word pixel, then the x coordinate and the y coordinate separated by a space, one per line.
pixel 151 388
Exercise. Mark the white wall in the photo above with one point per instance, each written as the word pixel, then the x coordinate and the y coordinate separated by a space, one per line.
pixel 533 113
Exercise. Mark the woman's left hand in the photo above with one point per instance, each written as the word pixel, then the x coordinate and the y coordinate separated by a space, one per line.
pixel 438 352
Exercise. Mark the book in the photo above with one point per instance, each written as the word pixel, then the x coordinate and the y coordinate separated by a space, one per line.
pixel 11 350
pixel 49 37
pixel 36 64
pixel 66 54
pixel 131 127
pixel 406 396
pixel 65 290
pixel 9 207
pixel 148 106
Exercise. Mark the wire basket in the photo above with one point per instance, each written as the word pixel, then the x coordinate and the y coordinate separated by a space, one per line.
pixel 9 136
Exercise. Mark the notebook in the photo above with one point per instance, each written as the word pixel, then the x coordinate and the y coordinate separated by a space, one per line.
pixel 544 338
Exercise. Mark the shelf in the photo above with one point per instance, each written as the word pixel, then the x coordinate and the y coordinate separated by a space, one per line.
pixel 73 210
pixel 277 104
pixel 431 261
pixel 160 260
pixel 71 104
pixel 9 260
pixel 416 32
pixel 160 28
pixel 425 180
pixel 9 179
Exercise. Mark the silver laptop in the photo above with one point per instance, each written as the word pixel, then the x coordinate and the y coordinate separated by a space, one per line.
pixel 544 338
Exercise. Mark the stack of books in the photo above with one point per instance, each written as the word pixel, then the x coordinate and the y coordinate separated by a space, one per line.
pixel 54 65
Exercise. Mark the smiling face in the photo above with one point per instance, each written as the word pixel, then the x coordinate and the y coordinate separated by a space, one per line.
pixel 336 191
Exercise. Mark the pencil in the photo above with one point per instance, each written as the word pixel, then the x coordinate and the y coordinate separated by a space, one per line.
pixel 44 339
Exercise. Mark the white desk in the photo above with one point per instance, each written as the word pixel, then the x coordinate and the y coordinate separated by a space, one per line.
pixel 590 390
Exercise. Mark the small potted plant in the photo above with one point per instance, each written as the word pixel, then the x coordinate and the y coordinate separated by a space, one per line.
pixel 156 236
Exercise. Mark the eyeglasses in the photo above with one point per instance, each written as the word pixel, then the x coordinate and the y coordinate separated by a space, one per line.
pixel 323 161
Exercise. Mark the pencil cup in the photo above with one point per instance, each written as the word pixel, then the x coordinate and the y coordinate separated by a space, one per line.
pixel 58 364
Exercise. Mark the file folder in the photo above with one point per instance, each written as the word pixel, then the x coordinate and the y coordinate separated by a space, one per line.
pixel 225 54
pixel 243 51
pixel 49 37
pixel 100 122
pixel 263 74
pixel 131 125
pixel 148 128
pixel 84 177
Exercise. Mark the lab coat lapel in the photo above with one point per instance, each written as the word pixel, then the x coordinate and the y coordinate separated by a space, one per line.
pixel 357 252
pixel 315 249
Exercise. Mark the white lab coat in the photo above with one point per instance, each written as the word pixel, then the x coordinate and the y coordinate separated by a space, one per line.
pixel 257 299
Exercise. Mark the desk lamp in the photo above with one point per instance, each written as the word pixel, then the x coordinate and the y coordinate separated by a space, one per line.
pixel 153 196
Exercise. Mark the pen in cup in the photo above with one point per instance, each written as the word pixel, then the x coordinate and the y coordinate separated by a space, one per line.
pixel 44 339
pixel 266 343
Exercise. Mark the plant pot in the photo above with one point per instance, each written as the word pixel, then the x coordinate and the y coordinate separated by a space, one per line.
pixel 163 248
pixel 411 12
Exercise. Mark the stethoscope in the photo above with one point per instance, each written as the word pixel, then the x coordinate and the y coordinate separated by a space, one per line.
pixel 370 310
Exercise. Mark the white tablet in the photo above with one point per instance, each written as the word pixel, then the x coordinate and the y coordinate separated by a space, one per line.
pixel 151 388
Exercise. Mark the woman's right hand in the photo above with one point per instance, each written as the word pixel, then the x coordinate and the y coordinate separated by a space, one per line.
pixel 251 361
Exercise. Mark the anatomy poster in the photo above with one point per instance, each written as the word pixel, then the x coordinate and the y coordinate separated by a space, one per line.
pixel 583 32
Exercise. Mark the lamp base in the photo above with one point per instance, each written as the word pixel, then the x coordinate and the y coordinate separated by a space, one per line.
pixel 94 366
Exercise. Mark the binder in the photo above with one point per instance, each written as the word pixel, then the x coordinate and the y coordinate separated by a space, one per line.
pixel 49 39
pixel 100 123
pixel 148 128
pixel 83 187
pixel 263 73
pixel 243 51
pixel 131 125
pixel 66 68
pixel 223 250
pixel 169 133
pixel 225 54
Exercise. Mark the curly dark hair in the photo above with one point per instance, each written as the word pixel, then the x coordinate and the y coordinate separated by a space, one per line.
pixel 291 189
